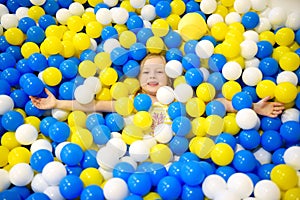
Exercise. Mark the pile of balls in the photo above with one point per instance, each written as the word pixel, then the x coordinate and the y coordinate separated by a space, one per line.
pixel 242 50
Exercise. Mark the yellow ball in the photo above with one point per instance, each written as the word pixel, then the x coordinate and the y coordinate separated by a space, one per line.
pixel 75 23
pixel 133 85
pixel 230 125
pixel 178 7
pixel 21 111
pixel 151 196
pixel 124 106
pixel 87 68
pixel 29 48
pixel 292 194
pixel 54 30
pixel 81 41
pixel 93 3
pixel 289 61
pixel 19 155
pixel 206 92
pixel 142 119
pixel 214 125
pixel 221 10
pixel 126 5
pixel 173 21
pixel 201 146
pixel 68 49
pixel 35 12
pixel 108 76
pixel 4 156
pixel 77 118
pixel 278 52
pixel 94 29
pixel 34 121
pixel 265 88
pixel 103 60
pixel 284 36
pixel 14 36
pixel 294 46
pixel 155 44
pixel 68 35
pixel 9 140
pixel 88 17
pixel 52 76
pixel 118 90
pixel 127 38
pixel 198 125
pixel 195 107
pixel 52 45
pixel 230 88
pixel 285 92
pixel 179 80
pixel 91 176
pixel 222 154
pixel 219 31
pixel 192 26
pixel 160 27
pixel 231 48
pixel 120 28
pixel 284 176
pixel 227 3
pixel 237 27
pixel 132 133
pixel 161 153
pixel 267 36
pixel 235 35
pixel 82 137
pixel 104 95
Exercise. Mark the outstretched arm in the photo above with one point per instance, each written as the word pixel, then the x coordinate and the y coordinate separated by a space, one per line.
pixel 51 102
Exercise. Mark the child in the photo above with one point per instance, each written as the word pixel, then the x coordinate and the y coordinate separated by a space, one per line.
pixel 152 76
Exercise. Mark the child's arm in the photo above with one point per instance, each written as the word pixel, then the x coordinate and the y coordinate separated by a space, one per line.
pixel 262 107
pixel 51 102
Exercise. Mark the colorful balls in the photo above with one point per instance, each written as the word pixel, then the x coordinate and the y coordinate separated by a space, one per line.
pixel 232 70
pixel 101 134
pixel 241 184
pixel 268 66
pixel 291 155
pixel 124 106
pixel 284 36
pixel 14 36
pixel 266 189
pixel 92 192
pixel 81 41
pixel 131 68
pixel 284 176
pixel 265 49
pixel 108 76
pixel 215 107
pixel 155 44
pixel 6 103
pixel 213 184
pixel 142 102
pixel 191 173
pixel 169 188
pixel 246 118
pixel 142 119
pixel 87 68
pixel 222 154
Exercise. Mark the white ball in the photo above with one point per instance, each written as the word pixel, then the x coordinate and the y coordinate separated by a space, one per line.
pixel 9 21
pixel 3 10
pixel 163 133
pixel 291 114
pixel 53 193
pixel 213 19
pixel 26 134
pixel 252 76
pixel 232 17
pixel 5 182
pixel 277 16
pixel 204 49
pixel 147 24
pixel 238 148
pixel 287 76
pixel 263 156
pixel 38 2
pixel 117 145
pixel 115 188
pixel 173 68
pixel 110 3
pixel 38 183
pixel 149 140
pixel 119 15
pixel 84 94
pixel 148 12
pixel 93 45
pixel 183 92
pixel 242 6
pixel 205 73
pixel 103 15
pixel 110 44
pixel 20 174
pixel 226 194
pixel 106 158
pixel 62 15
pixel 248 49
pixel 241 184
pixel 246 118
pixel 6 104
pixel 208 6
pixel 53 172
pixel 266 190
pixel 232 70
pixel 22 12
pixel 76 8
pixel 129 160
pixel 258 5
pixel 137 3
pixel 254 62
pixel 59 114
pixel 93 83
pixel 263 25
pixel 40 144
pixel 291 157
pixel 293 21
pixel 107 174
pixel 251 35
pixel 165 95
pixel 213 184
pixel 139 151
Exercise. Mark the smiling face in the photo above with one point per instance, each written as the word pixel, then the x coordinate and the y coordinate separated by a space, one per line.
pixel 152 75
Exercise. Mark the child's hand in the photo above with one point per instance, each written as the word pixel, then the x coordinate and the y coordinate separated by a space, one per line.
pixel 269 109
pixel 44 103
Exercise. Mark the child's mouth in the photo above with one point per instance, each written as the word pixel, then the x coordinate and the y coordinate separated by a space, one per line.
pixel 153 84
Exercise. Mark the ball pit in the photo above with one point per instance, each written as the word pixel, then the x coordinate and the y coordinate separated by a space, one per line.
pixel 86 50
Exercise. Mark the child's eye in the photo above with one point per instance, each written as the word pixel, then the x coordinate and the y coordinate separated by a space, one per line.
pixel 145 72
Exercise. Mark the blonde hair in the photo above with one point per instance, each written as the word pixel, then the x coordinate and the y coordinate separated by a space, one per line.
pixel 149 56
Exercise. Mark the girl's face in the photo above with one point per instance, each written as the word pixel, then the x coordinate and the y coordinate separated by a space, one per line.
pixel 152 75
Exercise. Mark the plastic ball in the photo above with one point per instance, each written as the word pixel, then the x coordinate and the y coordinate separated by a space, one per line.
pixel 71 154
pixel 40 158
pixel 26 134
pixel 287 76
pixel 11 120
pixel 20 174
pixel 91 176
pixel 231 70
pixel 265 49
pixel 142 102
pixel 183 92
pixel 190 60
pixel 271 140
pixel 250 20
pixel 268 66
pixel 92 192
pixel 194 76
pixel 249 139
pixel 252 76
pixel 58 131
pixel 246 118
pixel 165 95
pixel 265 88
pixel 115 188
pixel 169 187
pixel 192 173
pixel 6 103
pixel 173 68
pixel 244 161
pixel 241 100
pixel 181 126
pixel 201 146
pixel 290 157
pixel 230 88
pixel 139 183
pixel 281 173
pixel 139 151
pixel 215 108
pixel 53 172
pixel 289 61
pixel 70 186
pixel 108 76
pixel 160 153
pixel 204 49
pixel 213 184
pixel 155 44
pixel 195 107
pixel 285 92
pixel 288 131
pixel 124 106
pixel 222 154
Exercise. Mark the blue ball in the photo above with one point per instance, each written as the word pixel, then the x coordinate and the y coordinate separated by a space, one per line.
pixel 55 60
pixel 101 134
pixel 133 197
pixel 265 49
pixel 38 196
pixel 7 60
pixel 11 120
pixel 45 124
pixel 114 122
pixel 3 43
pixel 190 46
pixel 134 23
pixel 207 167
pixel 297 101
pixel 45 21
pixel 89 159
pixel 119 56
pixel 137 51
pixel 66 90
pixel 70 187
pixel 192 192
pixel 163 9
pixel 131 68
pixel 74 170
pixel 19 97
pixel 108 32
pixel 192 173
pixel 4 87
pixel 68 68
pixel 24 77
pixel 290 132
pixel 179 145
pixel 277 156
pixel 250 20
pixel 11 75
pixel 225 172
pixel 10 194
pixel 264 171
pixel 190 60
pixel 24 3
pixel 35 34
pixel 40 158
pixel 92 192
pixel 192 6
pixel 88 54
pixel 123 170
pixel 31 110
pixel 226 138
pixel 189 156
pixel 100 5
pixel 51 7
pixel 297 36
pixel 64 3
pixel 251 90
pixel 143 35
pixel 254 177
pixel 33 86
pixel 169 188
pixel 23 191
pixel 194 77
pixel 173 54
pixel 271 140
pixel 59 131
pixel 23 67
pixel 249 139
pixel 156 172
pixel 37 62
pixel 244 161
pixel 217 80
pixel 215 107
pixel 176 109
pixel 139 183
pixel 211 39
pixel 216 62
pixel 174 170
pixel 93 120
pixel 241 100
pixel 71 154
pixel 172 40
pixel 181 126
pixel 15 51
pixel 268 66
pixel 142 102
pixel 25 23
